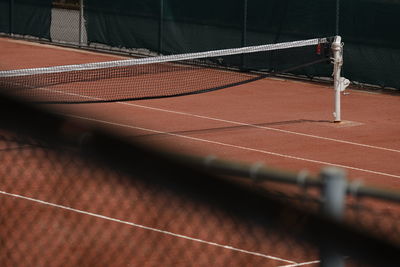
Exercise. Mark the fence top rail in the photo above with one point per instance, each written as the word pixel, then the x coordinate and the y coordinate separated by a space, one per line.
pixel 258 172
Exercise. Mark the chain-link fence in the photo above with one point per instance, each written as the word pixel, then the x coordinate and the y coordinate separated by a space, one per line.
pixel 68 23
pixel 62 204
pixel 71 195
pixel 61 208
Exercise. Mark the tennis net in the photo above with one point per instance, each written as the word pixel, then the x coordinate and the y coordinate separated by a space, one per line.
pixel 162 76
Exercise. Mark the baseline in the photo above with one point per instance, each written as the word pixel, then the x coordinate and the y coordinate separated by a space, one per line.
pixel 145 227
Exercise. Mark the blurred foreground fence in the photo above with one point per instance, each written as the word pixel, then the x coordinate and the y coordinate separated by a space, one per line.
pixel 178 26
pixel 71 195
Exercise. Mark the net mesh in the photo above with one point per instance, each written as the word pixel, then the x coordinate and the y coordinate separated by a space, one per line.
pixel 163 76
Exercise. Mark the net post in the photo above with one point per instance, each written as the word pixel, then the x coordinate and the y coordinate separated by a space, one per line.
pixel 244 34
pixel 81 22
pixel 333 205
pixel 337 52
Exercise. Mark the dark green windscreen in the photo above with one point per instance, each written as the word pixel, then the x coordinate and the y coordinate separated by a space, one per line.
pixel 372 43
pixel 4 16
pixel 167 26
pixel 368 28
pixel 129 24
pixel 26 17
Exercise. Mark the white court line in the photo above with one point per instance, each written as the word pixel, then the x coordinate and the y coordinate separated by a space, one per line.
pixel 261 127
pixel 234 146
pixel 231 122
pixel 145 227
pixel 300 264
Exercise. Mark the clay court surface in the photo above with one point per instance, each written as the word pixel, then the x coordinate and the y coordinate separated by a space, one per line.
pixel 280 122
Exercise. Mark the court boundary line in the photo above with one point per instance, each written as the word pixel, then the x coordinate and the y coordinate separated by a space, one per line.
pixel 144 227
pixel 301 264
pixel 234 122
pixel 235 146
pixel 261 127
pixel 229 121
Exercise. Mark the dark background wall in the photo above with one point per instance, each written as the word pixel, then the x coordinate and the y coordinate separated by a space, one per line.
pixel 369 28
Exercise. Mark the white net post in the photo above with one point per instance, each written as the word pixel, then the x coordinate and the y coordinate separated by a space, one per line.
pixel 340 83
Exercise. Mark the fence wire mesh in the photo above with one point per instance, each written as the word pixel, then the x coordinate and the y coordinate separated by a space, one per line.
pixel 59 208
pixel 74 196
pixel 377 217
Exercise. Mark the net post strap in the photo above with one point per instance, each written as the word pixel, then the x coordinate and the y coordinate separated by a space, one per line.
pixel 162 59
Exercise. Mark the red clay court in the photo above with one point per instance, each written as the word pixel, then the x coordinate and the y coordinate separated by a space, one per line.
pixel 284 123
pixel 280 122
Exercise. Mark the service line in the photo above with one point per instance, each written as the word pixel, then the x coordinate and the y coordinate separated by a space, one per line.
pixel 233 146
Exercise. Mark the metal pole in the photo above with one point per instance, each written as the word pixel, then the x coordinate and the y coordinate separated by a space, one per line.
pixel 244 25
pixel 334 192
pixel 337 16
pixel 337 65
pixel 333 195
pixel 161 27
pixel 81 22
pixel 244 33
pixel 11 17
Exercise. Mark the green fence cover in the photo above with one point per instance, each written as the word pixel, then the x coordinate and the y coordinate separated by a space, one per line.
pixel 368 27
pixel 28 17
pixel 4 16
pixel 182 26
pixel 372 44
pixel 129 24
